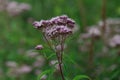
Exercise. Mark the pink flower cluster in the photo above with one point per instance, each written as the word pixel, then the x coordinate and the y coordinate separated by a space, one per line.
pixel 55 31
pixel 115 41
pixel 15 69
pixel 60 25
pixel 13 8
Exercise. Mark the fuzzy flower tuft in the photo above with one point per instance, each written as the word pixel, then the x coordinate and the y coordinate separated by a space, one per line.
pixel 60 25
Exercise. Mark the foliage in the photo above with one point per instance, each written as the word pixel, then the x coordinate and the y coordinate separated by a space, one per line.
pixel 17 37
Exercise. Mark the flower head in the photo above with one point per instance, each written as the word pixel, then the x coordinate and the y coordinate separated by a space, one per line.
pixel 115 41
pixel 55 27
pixel 93 31
pixel 14 8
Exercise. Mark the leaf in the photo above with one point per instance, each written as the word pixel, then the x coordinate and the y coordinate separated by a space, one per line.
pixel 43 73
pixel 51 56
pixel 115 74
pixel 69 59
pixel 79 77
pixel 66 78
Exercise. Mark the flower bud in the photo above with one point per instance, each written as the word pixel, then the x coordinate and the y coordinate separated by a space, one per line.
pixel 39 47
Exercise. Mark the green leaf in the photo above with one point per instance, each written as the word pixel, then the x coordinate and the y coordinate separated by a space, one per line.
pixel 115 74
pixel 79 77
pixel 66 78
pixel 50 77
pixel 51 56
pixel 43 73
pixel 69 58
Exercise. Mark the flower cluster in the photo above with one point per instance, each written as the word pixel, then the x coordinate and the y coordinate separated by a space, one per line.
pixel 53 28
pixel 55 31
pixel 111 36
pixel 13 8
pixel 115 41
pixel 17 70
pixel 3 4
pixel 94 31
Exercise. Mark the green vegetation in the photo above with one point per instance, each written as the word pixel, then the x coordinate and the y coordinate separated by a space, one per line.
pixel 90 58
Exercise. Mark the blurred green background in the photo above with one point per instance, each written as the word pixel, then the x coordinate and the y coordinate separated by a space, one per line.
pixel 18 36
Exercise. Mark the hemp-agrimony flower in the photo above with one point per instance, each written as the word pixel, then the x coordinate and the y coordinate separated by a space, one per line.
pixel 55 27
pixel 14 8
pixel 55 31
pixel 115 41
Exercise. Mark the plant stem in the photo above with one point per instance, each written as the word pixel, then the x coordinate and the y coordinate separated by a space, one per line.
pixel 82 13
pixel 62 47
pixel 91 57
pixel 91 54
pixel 61 71
pixel 60 65
pixel 48 42
pixel 103 15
